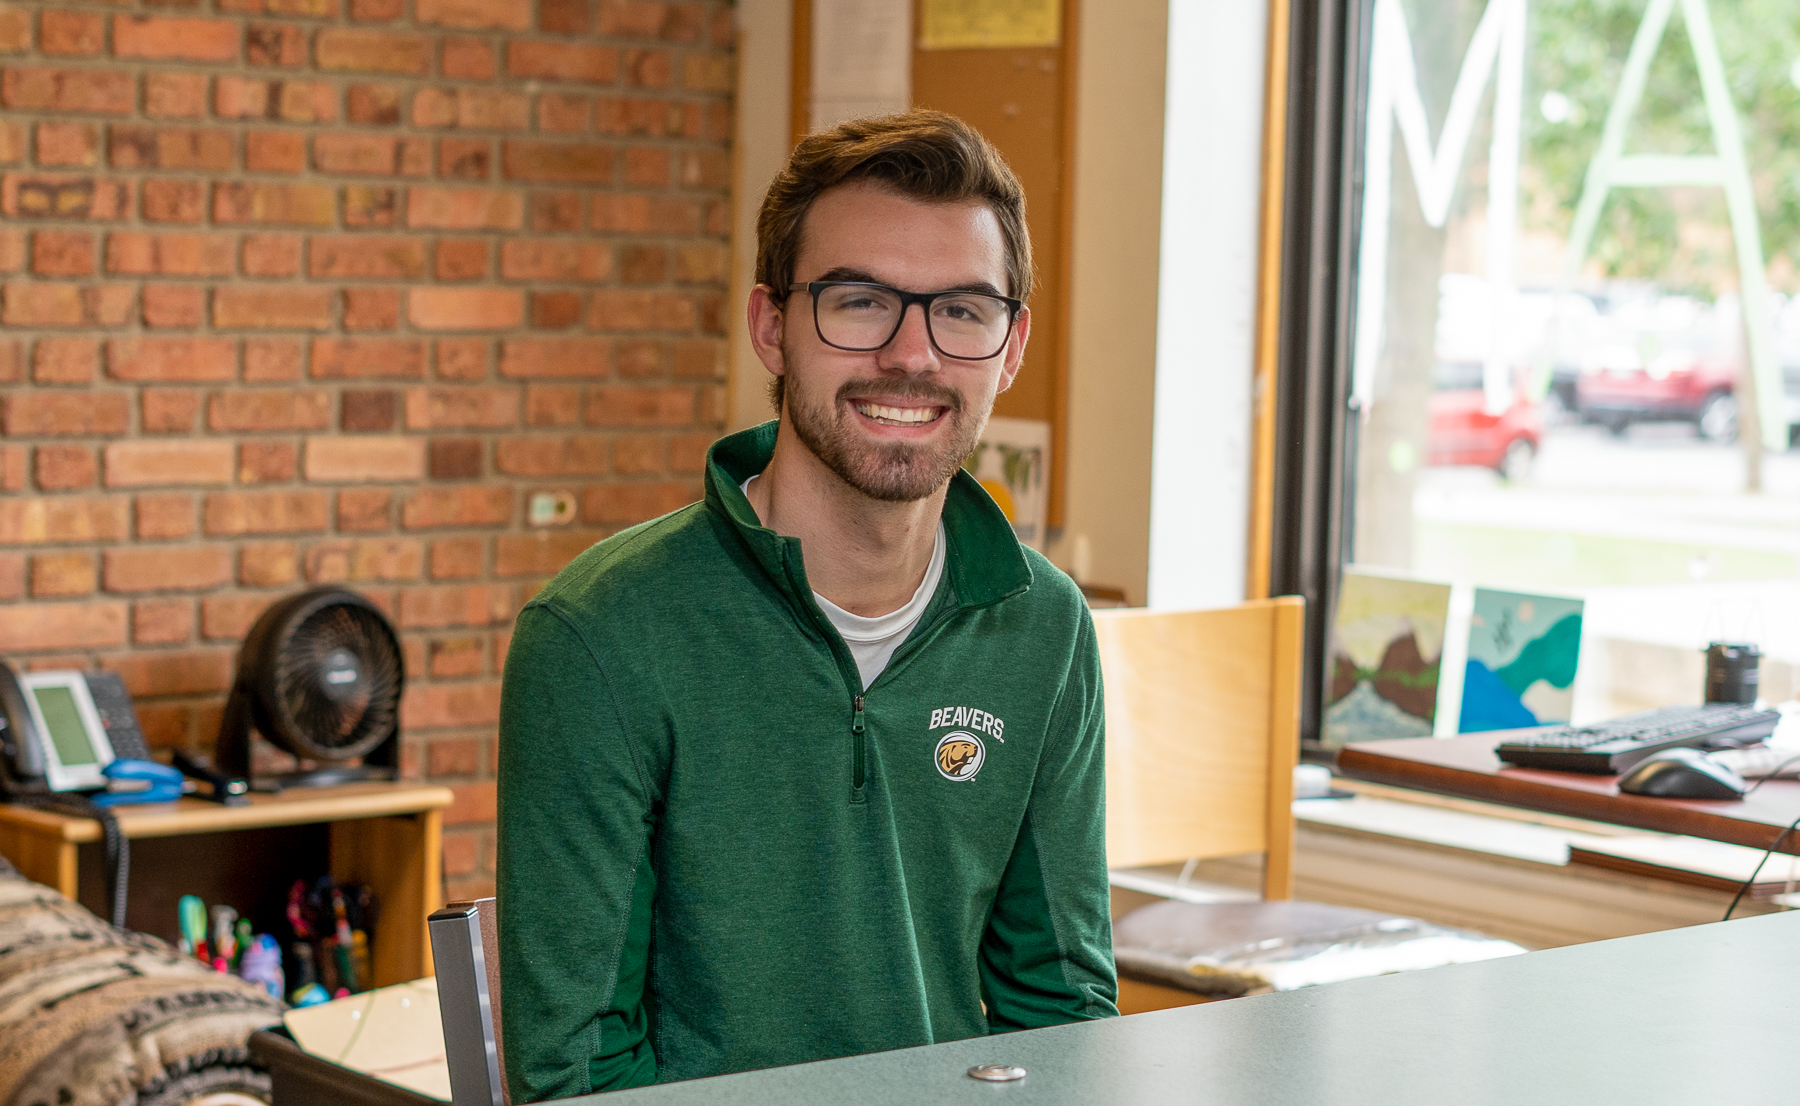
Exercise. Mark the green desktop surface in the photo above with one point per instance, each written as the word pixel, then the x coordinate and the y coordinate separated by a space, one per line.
pixel 1697 1015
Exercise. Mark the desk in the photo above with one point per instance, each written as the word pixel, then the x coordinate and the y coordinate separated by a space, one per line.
pixel 386 835
pixel 1466 766
pixel 1702 1014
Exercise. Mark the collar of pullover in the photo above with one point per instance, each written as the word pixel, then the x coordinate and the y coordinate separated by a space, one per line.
pixel 984 561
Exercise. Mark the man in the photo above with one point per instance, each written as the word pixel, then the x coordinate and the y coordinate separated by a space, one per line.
pixel 813 767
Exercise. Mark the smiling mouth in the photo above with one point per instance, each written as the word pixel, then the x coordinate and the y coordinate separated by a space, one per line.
pixel 897 416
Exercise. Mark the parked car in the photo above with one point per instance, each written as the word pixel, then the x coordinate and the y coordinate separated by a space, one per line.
pixel 1622 383
pixel 1463 433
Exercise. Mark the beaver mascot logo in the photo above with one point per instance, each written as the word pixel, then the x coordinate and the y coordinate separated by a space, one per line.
pixel 959 756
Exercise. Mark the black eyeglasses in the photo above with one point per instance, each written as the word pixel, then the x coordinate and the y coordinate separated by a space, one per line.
pixel 860 317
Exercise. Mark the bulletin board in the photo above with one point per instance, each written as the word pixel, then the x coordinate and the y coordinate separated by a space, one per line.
pixel 1007 67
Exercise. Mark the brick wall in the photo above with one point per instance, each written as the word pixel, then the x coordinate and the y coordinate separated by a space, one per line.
pixel 305 291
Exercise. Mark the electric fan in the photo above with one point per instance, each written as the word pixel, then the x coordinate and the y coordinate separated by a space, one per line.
pixel 319 676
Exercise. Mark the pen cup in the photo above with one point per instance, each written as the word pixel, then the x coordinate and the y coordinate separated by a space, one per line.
pixel 1733 672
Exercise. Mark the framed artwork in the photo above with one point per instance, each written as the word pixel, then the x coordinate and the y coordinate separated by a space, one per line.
pixel 1523 651
pixel 1387 645
pixel 1012 462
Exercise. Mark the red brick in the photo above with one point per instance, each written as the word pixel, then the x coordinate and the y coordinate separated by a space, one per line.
pixel 367 358
pixel 648 168
pixel 559 62
pixel 175 95
pixel 552 406
pixel 369 410
pixel 541 456
pixel 162 621
pixel 458 559
pixel 62 253
pixel 540 357
pixel 164 359
pixel 275 151
pixel 12 565
pixel 267 462
pixel 561 114
pixel 373 52
pixel 428 508
pixel 254 409
pixel 644 214
pixel 563 17
pixel 376 104
pixel 359 257
pixel 472 109
pixel 648 68
pixel 68 144
pixel 158 38
pixel 465 158
pixel 271 255
pixel 364 509
pixel 268 564
pixel 364 560
pixel 60 196
pixel 229 513
pixel 687 452
pixel 169 410
pixel 164 517
pixel 443 607
pixel 705 169
pixel 461 408
pixel 63 575
pixel 144 464
pixel 30 627
pixel 174 306
pixel 160 568
pixel 621 406
pixel 635 18
pixel 174 201
pixel 92 91
pixel 269 360
pixel 462 358
pixel 475 15
pixel 436 706
pixel 62 468
pixel 45 304
pixel 229 617
pixel 556 211
pixel 643 264
pixel 376 11
pixel 371 154
pixel 639 359
pixel 371 308
pixel 252 307
pixel 633 503
pixel 462 259
pixel 617 310
pixel 12 252
pixel 195 672
pixel 354 460
pixel 275 44
pixel 139 254
pixel 296 204
pixel 555 259
pixel 64 414
pixel 555 310
pixel 468 59
pixel 465 308
pixel 558 162
pixel 540 554
pixel 370 205
pixel 66 361
pixel 15 30
pixel 706 73
pixel 170 148
pixel 70 33
pixel 637 454
pixel 461 756
pixel 455 458
pixel 62 519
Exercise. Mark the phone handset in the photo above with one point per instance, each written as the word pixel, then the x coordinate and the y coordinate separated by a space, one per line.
pixel 21 748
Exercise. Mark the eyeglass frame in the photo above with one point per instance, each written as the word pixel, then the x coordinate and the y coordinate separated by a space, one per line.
pixel 907 299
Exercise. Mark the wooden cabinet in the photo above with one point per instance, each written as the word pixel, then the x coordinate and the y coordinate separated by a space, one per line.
pixel 388 836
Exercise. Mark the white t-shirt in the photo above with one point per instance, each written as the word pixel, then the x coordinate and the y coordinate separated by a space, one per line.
pixel 872 641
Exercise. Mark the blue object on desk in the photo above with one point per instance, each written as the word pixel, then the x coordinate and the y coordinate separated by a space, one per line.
pixel 165 783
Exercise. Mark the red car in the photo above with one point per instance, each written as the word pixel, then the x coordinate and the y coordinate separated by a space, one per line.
pixel 1462 431
pixel 1683 382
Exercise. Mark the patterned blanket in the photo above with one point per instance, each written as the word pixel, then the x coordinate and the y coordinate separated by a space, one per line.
pixel 91 1015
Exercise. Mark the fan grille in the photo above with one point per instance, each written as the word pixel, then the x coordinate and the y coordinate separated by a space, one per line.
pixel 337 682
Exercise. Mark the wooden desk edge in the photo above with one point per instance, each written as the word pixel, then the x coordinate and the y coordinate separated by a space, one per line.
pixel 190 815
pixel 1649 814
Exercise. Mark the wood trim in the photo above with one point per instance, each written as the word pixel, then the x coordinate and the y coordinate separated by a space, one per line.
pixel 1065 301
pixel 800 102
pixel 298 806
pixel 1285 657
pixel 1266 378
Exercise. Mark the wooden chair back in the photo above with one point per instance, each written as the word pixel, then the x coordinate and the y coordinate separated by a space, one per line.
pixel 1202 733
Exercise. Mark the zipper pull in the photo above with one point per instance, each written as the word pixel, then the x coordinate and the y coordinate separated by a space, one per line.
pixel 856 723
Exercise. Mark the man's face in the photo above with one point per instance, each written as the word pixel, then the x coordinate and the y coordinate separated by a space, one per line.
pixel 893 423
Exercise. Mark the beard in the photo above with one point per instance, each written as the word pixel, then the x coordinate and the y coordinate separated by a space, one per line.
pixel 892 472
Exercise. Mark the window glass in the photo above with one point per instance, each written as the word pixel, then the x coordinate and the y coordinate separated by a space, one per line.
pixel 1576 370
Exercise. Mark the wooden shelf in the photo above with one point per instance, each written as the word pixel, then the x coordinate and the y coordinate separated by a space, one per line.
pixel 386 835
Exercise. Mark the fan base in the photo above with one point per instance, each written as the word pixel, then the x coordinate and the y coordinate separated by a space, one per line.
pixel 321 777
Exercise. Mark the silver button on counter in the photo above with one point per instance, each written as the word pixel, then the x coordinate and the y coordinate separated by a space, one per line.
pixel 997 1073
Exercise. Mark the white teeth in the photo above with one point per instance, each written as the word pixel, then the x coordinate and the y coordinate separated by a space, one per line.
pixel 898 416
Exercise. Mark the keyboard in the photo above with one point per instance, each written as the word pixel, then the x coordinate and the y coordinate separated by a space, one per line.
pixel 1611 747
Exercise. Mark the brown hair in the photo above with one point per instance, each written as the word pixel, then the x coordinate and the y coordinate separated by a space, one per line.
pixel 924 155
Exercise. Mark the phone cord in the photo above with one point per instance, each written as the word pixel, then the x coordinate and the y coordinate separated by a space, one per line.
pixel 118 847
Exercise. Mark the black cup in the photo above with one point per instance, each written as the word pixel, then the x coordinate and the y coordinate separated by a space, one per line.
pixel 1733 672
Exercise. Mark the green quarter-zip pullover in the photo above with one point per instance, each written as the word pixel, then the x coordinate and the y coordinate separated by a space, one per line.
pixel 718 852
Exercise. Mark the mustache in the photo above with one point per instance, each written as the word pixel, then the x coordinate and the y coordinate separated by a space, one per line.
pixel 876 391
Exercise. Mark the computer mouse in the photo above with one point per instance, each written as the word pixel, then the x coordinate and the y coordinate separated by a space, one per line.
pixel 1682 774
